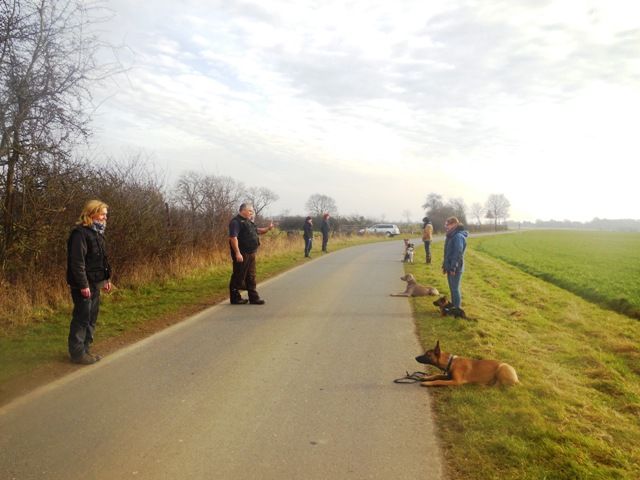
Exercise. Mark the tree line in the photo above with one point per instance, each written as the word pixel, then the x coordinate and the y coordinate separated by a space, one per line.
pixel 496 209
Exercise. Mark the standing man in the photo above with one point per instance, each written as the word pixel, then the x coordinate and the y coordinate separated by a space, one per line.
pixel 307 228
pixel 427 234
pixel 453 264
pixel 244 242
pixel 88 271
pixel 324 228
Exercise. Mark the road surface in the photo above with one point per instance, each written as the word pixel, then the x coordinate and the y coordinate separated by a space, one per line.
pixel 300 388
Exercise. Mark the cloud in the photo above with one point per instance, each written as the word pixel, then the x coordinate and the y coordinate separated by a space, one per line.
pixel 459 98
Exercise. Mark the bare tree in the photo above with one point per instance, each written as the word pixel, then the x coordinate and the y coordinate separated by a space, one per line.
pixel 319 204
pixel 433 202
pixel 497 208
pixel 47 64
pixel 477 211
pixel 261 198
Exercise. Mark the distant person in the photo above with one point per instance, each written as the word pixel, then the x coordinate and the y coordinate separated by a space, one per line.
pixel 455 245
pixel 244 241
pixel 325 228
pixel 88 272
pixel 427 235
pixel 308 236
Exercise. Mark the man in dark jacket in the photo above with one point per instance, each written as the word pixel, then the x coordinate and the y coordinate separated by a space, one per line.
pixel 307 235
pixel 324 228
pixel 244 241
pixel 88 271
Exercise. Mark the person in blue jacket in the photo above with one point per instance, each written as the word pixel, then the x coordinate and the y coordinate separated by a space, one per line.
pixel 453 264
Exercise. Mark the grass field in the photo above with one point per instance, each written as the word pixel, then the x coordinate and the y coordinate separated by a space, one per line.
pixel 603 267
pixel 576 413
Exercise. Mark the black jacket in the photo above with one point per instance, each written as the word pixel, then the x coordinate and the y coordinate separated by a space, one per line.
pixel 248 238
pixel 308 230
pixel 87 262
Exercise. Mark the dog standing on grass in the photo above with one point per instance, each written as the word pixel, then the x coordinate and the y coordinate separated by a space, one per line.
pixel 408 253
pixel 459 370
pixel 414 289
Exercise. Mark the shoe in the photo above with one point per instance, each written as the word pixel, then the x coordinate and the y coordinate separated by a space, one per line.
pixel 84 359
pixel 257 302
pixel 96 356
pixel 242 301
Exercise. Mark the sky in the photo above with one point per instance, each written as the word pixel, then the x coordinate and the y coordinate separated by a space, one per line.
pixel 377 104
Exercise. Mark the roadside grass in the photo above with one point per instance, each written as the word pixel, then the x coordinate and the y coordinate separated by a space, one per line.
pixel 603 267
pixel 575 414
pixel 141 309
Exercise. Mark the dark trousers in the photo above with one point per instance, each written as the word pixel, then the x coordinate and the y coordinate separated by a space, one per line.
pixel 308 243
pixel 325 240
pixel 83 321
pixel 427 250
pixel 243 278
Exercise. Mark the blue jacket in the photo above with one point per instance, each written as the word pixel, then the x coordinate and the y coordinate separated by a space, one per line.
pixel 454 246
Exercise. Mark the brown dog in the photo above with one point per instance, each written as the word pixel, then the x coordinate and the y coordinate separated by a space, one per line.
pixel 458 370
pixel 414 289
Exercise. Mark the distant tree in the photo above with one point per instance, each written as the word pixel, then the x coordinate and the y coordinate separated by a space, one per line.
pixel 434 202
pixel 497 208
pixel 319 204
pixel 438 211
pixel 261 197
pixel 406 214
pixel 477 211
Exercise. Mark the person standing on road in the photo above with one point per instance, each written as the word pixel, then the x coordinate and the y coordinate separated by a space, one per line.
pixel 244 240
pixel 324 228
pixel 427 235
pixel 88 271
pixel 455 245
pixel 308 236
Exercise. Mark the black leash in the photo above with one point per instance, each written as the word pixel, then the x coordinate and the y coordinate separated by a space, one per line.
pixel 414 377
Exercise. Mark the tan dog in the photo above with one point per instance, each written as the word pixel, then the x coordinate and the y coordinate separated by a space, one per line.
pixel 414 289
pixel 458 370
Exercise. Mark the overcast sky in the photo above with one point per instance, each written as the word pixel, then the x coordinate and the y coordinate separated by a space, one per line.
pixel 379 103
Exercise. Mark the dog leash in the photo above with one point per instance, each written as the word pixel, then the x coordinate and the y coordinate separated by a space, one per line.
pixel 414 377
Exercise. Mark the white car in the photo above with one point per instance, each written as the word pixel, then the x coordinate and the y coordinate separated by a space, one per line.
pixel 388 229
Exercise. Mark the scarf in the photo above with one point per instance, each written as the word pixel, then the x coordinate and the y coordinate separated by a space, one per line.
pixel 99 227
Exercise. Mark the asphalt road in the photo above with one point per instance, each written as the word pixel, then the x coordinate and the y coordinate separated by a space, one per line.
pixel 300 388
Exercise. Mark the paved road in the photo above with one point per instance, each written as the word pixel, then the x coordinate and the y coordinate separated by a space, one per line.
pixel 300 388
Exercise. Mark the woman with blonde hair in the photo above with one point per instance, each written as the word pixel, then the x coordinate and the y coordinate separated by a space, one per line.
pixel 88 271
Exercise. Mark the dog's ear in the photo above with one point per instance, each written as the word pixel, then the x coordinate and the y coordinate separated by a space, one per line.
pixel 436 350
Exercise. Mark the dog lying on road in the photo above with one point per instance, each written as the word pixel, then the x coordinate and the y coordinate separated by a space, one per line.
pixel 447 308
pixel 414 289
pixel 459 370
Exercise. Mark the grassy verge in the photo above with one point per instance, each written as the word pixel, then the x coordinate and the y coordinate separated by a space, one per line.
pixel 136 311
pixel 575 414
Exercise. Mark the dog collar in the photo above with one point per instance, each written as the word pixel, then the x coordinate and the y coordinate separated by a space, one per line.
pixel 447 370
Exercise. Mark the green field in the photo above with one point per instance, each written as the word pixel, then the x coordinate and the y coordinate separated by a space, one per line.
pixel 603 267
pixel 576 413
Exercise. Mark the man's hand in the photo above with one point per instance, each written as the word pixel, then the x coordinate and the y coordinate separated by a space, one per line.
pixel 107 287
pixel 85 292
pixel 239 258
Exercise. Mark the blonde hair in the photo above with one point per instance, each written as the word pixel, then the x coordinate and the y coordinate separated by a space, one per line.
pixel 91 208
pixel 451 220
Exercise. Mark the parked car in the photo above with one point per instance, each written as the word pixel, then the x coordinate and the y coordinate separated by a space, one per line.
pixel 387 229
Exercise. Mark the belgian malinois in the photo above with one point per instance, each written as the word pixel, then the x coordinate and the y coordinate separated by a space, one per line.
pixel 459 370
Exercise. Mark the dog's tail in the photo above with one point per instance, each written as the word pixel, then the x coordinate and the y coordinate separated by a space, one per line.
pixel 506 375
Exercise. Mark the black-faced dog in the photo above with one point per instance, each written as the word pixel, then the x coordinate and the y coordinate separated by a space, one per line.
pixel 447 308
pixel 459 370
